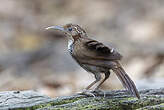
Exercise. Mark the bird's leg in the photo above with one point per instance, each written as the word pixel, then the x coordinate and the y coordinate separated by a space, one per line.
pixel 98 86
pixel 86 91
pixel 90 85
pixel 98 78
pixel 106 77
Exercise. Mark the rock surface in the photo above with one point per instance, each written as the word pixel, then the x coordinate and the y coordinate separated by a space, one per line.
pixel 120 100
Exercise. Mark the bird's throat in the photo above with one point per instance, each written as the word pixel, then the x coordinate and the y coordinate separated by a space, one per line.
pixel 70 46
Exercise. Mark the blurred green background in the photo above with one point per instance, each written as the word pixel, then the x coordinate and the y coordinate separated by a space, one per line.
pixel 34 58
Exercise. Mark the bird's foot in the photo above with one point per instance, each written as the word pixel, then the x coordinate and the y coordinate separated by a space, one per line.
pixel 99 92
pixel 93 93
pixel 88 93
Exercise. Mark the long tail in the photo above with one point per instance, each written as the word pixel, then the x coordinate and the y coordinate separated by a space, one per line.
pixel 126 81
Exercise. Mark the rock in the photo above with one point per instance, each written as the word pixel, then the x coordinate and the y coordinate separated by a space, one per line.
pixel 113 100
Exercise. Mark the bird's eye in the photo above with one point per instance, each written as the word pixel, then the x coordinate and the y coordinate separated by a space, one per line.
pixel 69 29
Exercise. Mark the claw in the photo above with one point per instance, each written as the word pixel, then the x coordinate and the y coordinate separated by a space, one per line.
pixel 98 91
pixel 104 94
pixel 93 93
pixel 88 93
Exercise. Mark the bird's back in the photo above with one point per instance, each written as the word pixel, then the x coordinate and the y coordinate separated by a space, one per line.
pixel 88 48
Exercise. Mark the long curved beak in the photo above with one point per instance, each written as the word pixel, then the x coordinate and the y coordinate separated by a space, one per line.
pixel 56 28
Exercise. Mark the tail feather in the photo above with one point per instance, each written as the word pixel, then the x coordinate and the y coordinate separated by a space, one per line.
pixel 126 81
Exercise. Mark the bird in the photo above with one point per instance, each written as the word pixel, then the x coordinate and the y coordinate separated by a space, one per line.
pixel 95 57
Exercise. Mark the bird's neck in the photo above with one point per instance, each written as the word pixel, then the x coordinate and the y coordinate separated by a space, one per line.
pixel 77 36
pixel 72 40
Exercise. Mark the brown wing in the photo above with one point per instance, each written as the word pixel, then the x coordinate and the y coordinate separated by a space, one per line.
pixel 101 51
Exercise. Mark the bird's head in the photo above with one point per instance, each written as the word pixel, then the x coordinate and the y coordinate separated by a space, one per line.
pixel 73 31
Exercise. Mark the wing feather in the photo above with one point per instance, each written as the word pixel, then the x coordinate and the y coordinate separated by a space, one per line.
pixel 101 51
